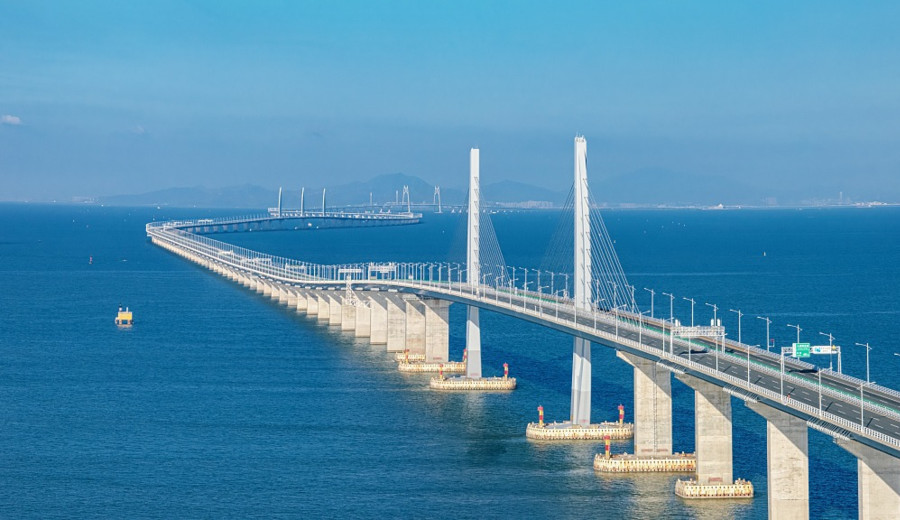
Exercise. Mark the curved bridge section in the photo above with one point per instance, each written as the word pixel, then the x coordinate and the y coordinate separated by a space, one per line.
pixel 405 307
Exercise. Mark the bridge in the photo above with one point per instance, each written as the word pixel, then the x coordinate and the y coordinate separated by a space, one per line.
pixel 405 306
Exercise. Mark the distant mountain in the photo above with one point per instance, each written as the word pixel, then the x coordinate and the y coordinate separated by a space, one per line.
pixel 650 186
pixel 244 196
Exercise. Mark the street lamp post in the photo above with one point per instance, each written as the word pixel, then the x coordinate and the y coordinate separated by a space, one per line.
pixel 671 306
pixel 868 348
pixel 748 365
pixel 692 309
pixel 820 391
pixel 830 349
pixel 740 315
pixel 768 322
pixel 798 332
pixel 652 295
pixel 715 309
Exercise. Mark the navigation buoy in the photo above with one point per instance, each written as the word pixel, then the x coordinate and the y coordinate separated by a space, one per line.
pixel 606 443
pixel 540 416
pixel 621 414
pixel 505 370
pixel 90 260
pixel 441 371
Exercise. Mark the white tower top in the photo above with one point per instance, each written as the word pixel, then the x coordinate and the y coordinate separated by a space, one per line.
pixel 473 259
pixel 582 228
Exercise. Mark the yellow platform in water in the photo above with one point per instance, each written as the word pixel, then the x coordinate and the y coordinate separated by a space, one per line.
pixel 124 318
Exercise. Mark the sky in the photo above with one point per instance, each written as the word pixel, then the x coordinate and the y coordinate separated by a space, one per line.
pixel 101 98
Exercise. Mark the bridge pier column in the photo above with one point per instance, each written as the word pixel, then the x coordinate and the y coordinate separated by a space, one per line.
pixel 261 286
pixel 878 486
pixel 312 303
pixel 302 300
pixel 335 314
pixel 787 463
pixel 363 317
pixel 473 343
pixel 712 426
pixel 652 406
pixel 437 331
pixel 292 297
pixel 379 320
pixel 396 324
pixel 348 313
pixel 284 295
pixel 415 326
pixel 324 307
pixel 580 409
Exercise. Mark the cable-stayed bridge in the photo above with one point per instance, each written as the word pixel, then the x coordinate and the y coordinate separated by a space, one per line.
pixel 405 307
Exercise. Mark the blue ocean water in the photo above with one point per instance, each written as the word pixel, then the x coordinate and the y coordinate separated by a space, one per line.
pixel 219 403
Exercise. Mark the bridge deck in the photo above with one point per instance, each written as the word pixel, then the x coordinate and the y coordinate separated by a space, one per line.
pixel 828 401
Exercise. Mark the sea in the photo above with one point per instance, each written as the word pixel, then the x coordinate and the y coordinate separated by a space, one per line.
pixel 219 403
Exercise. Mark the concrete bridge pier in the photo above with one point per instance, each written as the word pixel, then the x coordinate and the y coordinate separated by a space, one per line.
pixel 712 426
pixel 787 463
pixel 652 406
pixel 378 325
pixel 302 300
pixel 292 297
pixel 335 315
pixel 363 317
pixel 878 486
pixel 348 313
pixel 396 323
pixel 312 303
pixel 324 307
pixel 437 331
pixel 415 326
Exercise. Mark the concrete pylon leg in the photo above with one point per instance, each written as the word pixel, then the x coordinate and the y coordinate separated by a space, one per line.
pixel 335 314
pixel 396 324
pixel 787 463
pixel 379 320
pixel 581 382
pixel 712 426
pixel 473 343
pixel 437 331
pixel 415 326
pixel 879 481
pixel 363 318
pixel 652 406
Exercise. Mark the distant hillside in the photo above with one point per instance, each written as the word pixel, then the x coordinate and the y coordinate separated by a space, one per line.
pixel 640 187
pixel 244 196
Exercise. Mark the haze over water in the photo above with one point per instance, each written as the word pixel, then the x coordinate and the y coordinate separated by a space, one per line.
pixel 220 403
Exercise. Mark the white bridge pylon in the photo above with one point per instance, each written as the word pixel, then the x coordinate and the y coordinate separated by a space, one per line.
pixel 473 272
pixel 581 351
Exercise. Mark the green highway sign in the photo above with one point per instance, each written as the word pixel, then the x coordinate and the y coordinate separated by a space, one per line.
pixel 801 350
